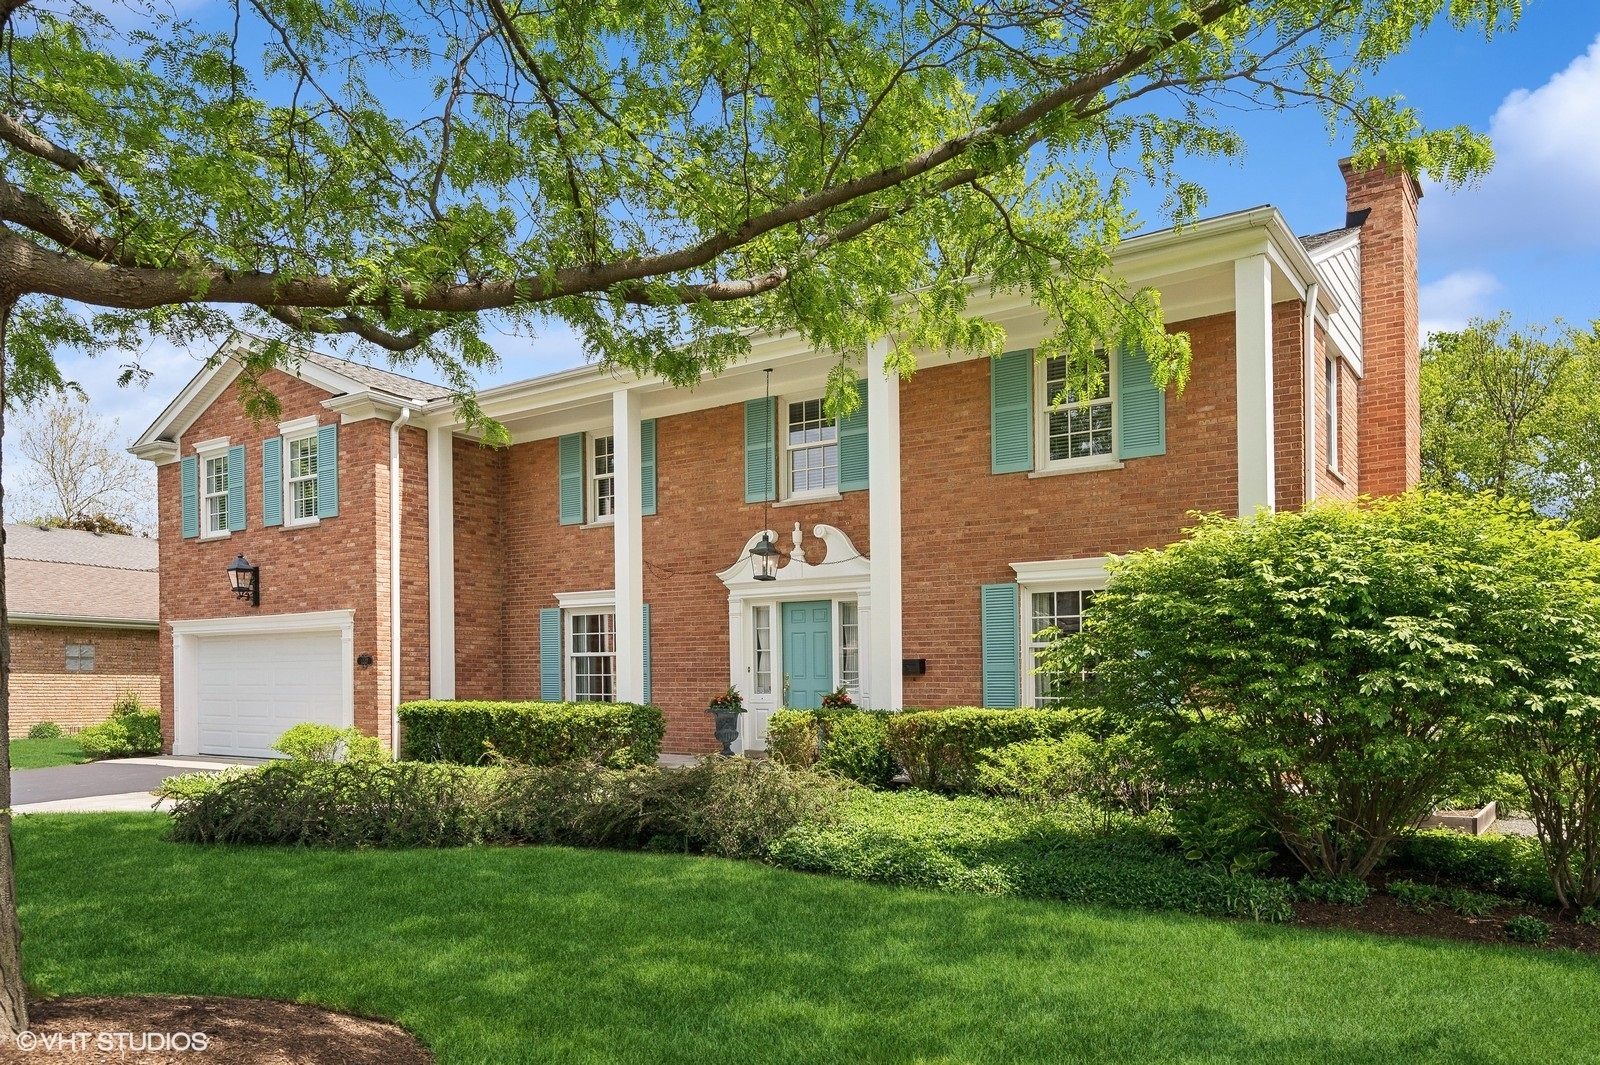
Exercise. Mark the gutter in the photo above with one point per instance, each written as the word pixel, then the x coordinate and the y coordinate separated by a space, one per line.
pixel 394 578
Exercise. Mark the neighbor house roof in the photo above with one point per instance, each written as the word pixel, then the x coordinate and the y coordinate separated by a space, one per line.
pixel 67 576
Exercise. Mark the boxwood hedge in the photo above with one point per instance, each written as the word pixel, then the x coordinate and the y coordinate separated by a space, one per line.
pixel 472 733
pixel 941 750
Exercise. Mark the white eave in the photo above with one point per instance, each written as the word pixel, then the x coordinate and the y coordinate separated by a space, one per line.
pixel 78 621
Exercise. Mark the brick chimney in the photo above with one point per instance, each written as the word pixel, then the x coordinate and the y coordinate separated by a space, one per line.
pixel 1383 202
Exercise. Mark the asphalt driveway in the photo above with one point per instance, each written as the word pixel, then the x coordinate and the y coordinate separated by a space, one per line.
pixel 121 784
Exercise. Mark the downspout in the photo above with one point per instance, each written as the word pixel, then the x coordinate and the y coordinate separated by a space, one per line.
pixel 1309 343
pixel 394 578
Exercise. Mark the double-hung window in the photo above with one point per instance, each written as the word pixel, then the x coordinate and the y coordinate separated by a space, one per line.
pixel 602 478
pixel 811 449
pixel 1076 418
pixel 300 479
pixel 214 495
pixel 592 657
pixel 1062 611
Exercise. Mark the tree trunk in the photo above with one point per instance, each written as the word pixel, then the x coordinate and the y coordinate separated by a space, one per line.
pixel 13 991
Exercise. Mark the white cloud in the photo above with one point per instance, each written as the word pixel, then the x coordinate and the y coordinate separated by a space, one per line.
pixel 1546 180
pixel 1447 304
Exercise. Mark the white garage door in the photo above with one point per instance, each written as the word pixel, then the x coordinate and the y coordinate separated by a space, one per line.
pixel 252 688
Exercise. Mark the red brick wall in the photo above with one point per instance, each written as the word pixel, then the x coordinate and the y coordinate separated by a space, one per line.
pixel 338 564
pixel 1288 404
pixel 962 526
pixel 43 690
pixel 1389 393
pixel 1340 485
pixel 479 474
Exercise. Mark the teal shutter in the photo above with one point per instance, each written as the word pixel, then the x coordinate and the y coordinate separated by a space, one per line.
pixel 328 470
pixel 1011 413
pixel 853 454
pixel 1002 646
pixel 550 654
pixel 272 481
pixel 189 493
pixel 570 449
pixel 236 488
pixel 647 652
pixel 1141 409
pixel 647 468
pixel 760 435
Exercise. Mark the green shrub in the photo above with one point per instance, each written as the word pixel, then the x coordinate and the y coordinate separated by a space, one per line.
pixel 474 733
pixel 1109 774
pixel 1525 928
pixel 992 847
pixel 1588 916
pixel 1501 865
pixel 1339 669
pixel 312 742
pixel 794 738
pixel 1342 890
pixel 126 735
pixel 201 782
pixel 1424 898
pixel 45 730
pixel 848 741
pixel 941 750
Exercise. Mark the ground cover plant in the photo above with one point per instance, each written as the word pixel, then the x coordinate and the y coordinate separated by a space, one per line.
pixel 537 954
pixel 43 754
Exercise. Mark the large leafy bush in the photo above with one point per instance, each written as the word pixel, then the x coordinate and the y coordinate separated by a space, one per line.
pixel 1335 671
pixel 850 742
pixel 473 733
pixel 941 750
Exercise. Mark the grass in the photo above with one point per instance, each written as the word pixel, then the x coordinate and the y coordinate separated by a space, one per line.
pixel 554 955
pixel 42 754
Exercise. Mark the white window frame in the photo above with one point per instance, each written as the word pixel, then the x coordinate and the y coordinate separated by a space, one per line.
pixel 572 605
pixel 762 618
pixel 571 654
pixel 852 684
pixel 786 467
pixel 1059 575
pixel 593 479
pixel 1330 414
pixel 207 452
pixel 293 433
pixel 1044 406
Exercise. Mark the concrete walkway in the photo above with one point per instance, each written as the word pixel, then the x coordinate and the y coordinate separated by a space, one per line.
pixel 121 784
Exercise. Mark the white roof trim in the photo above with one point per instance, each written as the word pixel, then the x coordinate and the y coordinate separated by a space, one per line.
pixel 78 621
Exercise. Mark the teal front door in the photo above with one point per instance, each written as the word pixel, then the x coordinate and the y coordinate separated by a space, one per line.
pixel 807 653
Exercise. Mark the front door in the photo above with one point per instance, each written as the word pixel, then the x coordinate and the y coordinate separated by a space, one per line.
pixel 807 653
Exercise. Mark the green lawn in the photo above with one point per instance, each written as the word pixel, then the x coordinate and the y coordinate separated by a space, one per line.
pixel 551 955
pixel 42 754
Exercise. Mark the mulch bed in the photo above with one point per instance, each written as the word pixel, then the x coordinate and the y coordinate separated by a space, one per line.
pixel 1384 915
pixel 256 1031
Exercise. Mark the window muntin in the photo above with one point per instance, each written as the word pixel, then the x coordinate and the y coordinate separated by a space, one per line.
pixel 1079 428
pixel 214 492
pixel 811 447
pixel 592 657
pixel 300 479
pixel 602 478
pixel 1330 414
pixel 761 624
pixel 849 646
pixel 1061 610
pixel 80 658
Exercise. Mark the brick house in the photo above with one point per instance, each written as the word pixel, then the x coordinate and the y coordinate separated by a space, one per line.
pixel 82 615
pixel 605 553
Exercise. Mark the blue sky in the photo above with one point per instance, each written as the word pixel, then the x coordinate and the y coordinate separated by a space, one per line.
pixel 1527 239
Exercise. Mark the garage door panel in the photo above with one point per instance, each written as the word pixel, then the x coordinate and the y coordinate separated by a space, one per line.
pixel 253 687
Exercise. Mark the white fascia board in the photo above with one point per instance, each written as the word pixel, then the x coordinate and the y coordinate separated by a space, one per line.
pixel 311 621
pixel 72 621
pixel 157 452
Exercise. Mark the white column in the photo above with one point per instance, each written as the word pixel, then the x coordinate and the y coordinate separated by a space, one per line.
pixel 884 638
pixel 441 564
pixel 1252 288
pixel 628 553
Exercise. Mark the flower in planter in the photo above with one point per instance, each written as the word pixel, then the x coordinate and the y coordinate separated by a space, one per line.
pixel 838 699
pixel 730 702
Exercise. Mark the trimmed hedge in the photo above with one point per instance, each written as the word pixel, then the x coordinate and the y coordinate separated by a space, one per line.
pixel 473 733
pixel 941 750
pixel 852 743
pixel 987 847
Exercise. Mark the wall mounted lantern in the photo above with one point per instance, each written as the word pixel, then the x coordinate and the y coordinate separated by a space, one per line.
pixel 245 580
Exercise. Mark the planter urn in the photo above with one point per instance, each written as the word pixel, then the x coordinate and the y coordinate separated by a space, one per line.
pixel 727 727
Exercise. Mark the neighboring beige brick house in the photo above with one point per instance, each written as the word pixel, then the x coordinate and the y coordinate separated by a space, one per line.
pixel 604 554
pixel 83 618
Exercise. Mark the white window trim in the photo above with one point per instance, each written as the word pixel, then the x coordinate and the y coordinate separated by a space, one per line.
pixel 293 432
pixel 1044 465
pixel 591 483
pixel 1331 420
pixel 1058 575
pixel 785 471
pixel 205 451
pixel 569 663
